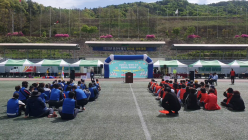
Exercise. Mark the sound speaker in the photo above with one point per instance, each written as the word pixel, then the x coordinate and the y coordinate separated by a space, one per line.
pixel 192 75
pixel 101 66
pixel 72 74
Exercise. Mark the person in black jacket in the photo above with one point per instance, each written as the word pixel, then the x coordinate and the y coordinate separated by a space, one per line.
pixel 92 74
pixel 185 95
pixel 192 102
pixel 170 101
pixel 236 103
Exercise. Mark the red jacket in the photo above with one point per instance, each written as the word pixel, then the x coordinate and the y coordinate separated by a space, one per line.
pixel 229 97
pixel 211 102
pixel 182 91
pixel 232 73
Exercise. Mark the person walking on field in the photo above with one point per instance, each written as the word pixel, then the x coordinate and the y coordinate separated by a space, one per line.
pixel 232 74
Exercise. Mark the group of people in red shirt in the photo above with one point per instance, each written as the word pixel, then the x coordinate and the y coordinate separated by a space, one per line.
pixel 192 96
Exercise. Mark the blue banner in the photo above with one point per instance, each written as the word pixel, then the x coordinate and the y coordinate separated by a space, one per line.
pixel 124 48
pixel 118 68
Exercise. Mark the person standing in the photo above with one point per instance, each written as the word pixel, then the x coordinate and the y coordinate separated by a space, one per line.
pixel 175 73
pixel 92 74
pixel 48 71
pixel 232 74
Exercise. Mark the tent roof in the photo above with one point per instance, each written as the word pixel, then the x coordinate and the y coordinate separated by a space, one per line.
pixel 87 63
pixel 214 63
pixel 171 63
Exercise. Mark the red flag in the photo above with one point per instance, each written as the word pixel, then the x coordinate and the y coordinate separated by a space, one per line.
pixel 20 0
pixel 57 22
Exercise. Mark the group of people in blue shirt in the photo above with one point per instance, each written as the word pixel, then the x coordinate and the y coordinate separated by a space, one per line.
pixel 71 97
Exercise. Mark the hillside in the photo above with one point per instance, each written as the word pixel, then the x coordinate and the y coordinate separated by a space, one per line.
pixel 214 23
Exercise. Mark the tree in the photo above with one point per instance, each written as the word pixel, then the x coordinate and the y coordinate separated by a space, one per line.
pixel 176 31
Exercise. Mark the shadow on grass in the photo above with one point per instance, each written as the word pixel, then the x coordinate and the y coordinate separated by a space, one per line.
pixel 21 118
pixel 4 117
pixel 59 120
pixel 167 116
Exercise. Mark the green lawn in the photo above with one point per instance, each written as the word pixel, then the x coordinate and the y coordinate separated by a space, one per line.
pixel 115 116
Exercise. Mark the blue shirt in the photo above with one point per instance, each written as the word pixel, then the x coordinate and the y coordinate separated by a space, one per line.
pixel 67 94
pixel 55 95
pixel 24 94
pixel 80 94
pixel 215 77
pixel 12 107
pixel 68 106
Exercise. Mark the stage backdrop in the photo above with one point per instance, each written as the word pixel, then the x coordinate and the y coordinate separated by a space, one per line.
pixel 118 68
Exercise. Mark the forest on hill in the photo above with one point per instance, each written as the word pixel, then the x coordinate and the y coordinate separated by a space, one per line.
pixel 34 19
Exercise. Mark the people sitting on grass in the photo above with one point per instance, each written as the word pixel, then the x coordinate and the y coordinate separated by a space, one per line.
pixel 202 96
pixel 43 96
pixel 68 90
pixel 15 106
pixel 35 107
pixel 61 84
pixel 211 101
pixel 228 94
pixel 215 91
pixel 170 102
pixel 81 98
pixel 83 85
pixel 79 85
pixel 185 95
pixel 66 85
pixel 157 89
pixel 192 102
pixel 98 85
pixel 236 103
pixel 69 110
pixel 17 89
pixel 47 91
pixel 180 93
pixel 24 92
pixel 35 85
pixel 31 88
pixel 56 97
pixel 94 94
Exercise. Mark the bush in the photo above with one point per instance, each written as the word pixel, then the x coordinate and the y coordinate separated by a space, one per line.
pixel 61 35
pixel 54 31
pixel 107 36
pixel 44 34
pixel 150 36
pixel 19 40
pixel 15 34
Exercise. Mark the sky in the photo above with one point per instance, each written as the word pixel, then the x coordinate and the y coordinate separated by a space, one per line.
pixel 102 3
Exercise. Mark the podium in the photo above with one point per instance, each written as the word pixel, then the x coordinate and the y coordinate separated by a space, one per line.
pixel 129 77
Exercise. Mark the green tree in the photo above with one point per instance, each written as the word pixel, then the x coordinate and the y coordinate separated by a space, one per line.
pixel 176 31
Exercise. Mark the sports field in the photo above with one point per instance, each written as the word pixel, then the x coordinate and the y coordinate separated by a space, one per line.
pixel 128 111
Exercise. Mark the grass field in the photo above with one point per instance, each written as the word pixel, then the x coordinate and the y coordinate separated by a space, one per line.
pixel 127 111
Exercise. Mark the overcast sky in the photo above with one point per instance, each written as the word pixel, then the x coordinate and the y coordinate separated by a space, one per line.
pixel 102 3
